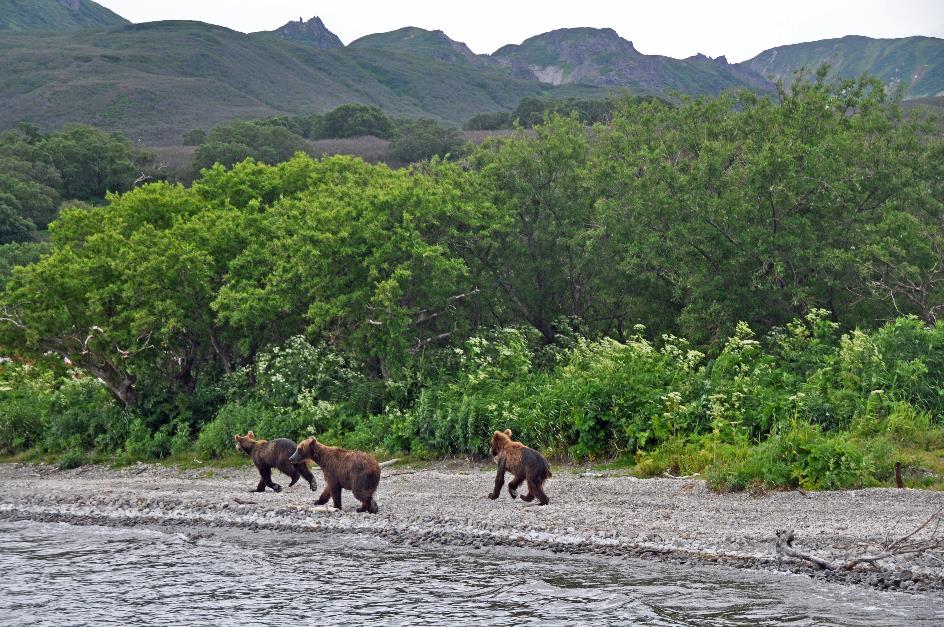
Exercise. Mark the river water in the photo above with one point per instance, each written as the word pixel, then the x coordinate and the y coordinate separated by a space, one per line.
pixel 59 574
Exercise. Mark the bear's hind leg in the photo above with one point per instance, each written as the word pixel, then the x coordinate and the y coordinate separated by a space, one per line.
pixel 267 477
pixel 366 497
pixel 336 495
pixel 535 490
pixel 514 485
pixel 527 498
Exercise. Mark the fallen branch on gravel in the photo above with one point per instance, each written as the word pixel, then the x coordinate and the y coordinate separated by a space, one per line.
pixel 389 462
pixel 694 475
pixel 242 502
pixel 902 546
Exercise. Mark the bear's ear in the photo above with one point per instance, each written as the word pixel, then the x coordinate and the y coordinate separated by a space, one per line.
pixel 251 435
pixel 238 439
pixel 508 432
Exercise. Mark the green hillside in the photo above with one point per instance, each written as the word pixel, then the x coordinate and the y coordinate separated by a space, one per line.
pixel 47 15
pixel 157 80
pixel 431 44
pixel 598 56
pixel 914 63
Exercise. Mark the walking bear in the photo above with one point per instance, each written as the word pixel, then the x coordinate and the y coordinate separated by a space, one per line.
pixel 350 470
pixel 269 454
pixel 524 463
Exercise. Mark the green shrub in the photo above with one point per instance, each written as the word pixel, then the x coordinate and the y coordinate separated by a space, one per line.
pixel 72 458
pixel 216 438
pixel 25 404
pixel 141 444
pixel 421 140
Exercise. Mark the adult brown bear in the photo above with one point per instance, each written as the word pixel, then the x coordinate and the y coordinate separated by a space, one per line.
pixel 351 470
pixel 269 454
pixel 526 464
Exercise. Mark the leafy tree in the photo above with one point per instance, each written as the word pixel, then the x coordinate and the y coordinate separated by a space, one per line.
pixel 19 254
pixel 420 140
pixel 229 144
pixel 356 120
pixel 194 137
pixel 90 162
pixel 489 121
pixel 13 227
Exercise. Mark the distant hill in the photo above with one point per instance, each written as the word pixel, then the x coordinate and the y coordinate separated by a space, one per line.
pixel 55 15
pixel 313 32
pixel 155 81
pixel 914 63
pixel 599 56
pixel 433 44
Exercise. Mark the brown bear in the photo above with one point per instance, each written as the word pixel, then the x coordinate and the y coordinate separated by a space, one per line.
pixel 526 464
pixel 350 470
pixel 269 454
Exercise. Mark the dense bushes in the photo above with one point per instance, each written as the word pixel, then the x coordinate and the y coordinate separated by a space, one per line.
pixel 539 282
pixel 423 139
pixel 231 143
pixel 38 171
pixel 748 417
pixel 531 112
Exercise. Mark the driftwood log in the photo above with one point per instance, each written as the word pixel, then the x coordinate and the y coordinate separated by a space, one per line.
pixel 906 545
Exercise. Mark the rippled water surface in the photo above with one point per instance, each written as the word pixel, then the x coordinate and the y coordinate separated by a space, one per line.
pixel 61 574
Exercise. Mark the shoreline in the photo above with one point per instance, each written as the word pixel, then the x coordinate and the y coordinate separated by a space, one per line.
pixel 674 520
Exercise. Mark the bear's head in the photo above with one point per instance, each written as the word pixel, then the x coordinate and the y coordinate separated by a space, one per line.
pixel 499 440
pixel 304 451
pixel 245 444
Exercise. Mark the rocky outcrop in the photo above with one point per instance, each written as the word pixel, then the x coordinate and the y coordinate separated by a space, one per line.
pixel 313 32
pixel 599 56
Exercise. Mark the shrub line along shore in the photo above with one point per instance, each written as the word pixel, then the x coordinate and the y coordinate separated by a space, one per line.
pixel 677 520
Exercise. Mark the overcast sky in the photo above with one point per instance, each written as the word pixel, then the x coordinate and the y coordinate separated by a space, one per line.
pixel 678 28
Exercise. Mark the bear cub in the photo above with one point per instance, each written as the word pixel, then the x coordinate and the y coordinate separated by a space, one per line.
pixel 269 454
pixel 526 464
pixel 351 470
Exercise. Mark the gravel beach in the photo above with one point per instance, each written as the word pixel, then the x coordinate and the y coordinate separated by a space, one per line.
pixel 677 520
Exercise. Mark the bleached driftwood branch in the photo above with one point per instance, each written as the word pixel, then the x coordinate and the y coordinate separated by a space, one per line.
pixel 906 545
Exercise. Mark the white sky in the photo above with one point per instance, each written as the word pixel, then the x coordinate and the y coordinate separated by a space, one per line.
pixel 739 29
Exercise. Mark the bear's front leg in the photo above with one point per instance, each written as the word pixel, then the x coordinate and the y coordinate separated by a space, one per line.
pixel 499 480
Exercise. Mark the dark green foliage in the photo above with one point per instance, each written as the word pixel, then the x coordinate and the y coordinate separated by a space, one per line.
pixel 90 162
pixel 231 143
pixel 195 137
pixel 356 120
pixel 423 139
pixel 533 111
pixel 13 226
pixel 73 458
pixel 19 254
pixel 489 121
pixel 37 171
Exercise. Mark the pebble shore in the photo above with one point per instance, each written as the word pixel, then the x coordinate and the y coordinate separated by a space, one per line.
pixel 677 520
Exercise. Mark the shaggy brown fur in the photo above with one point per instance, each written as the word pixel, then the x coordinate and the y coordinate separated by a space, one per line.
pixel 269 454
pixel 524 463
pixel 350 470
